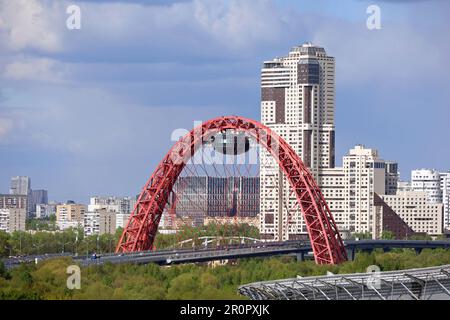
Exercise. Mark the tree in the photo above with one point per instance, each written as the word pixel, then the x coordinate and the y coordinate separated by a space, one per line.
pixel 5 247
pixel 387 235
pixel 362 235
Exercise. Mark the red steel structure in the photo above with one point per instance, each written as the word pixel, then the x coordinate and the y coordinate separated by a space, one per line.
pixel 142 226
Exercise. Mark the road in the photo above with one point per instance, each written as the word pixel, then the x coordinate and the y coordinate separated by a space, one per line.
pixel 168 257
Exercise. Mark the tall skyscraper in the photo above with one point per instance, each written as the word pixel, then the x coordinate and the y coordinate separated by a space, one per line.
pixel 21 185
pixel 297 102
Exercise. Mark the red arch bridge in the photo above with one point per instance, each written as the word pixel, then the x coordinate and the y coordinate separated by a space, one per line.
pixel 142 226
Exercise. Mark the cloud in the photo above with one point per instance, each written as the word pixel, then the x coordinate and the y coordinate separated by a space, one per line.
pixel 37 69
pixel 95 107
pixel 6 126
pixel 29 24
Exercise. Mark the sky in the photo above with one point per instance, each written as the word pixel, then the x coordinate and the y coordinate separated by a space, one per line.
pixel 91 111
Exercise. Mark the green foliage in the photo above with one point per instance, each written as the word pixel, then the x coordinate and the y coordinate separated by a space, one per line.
pixel 47 280
pixel 163 241
pixel 387 235
pixel 362 235
pixel 74 241
pixel 420 237
pixel 3 272
pixel 48 224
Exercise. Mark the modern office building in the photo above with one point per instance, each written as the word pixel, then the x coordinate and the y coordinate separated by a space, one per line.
pixel 429 181
pixel 297 102
pixel 199 197
pixel 70 215
pixel 37 197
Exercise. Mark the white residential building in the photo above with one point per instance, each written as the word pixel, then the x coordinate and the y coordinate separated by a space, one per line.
pixel 429 181
pixel 122 219
pixel 349 190
pixel 99 221
pixel 417 211
pixel 45 210
pixel 122 205
pixel 404 186
pixel 297 102
pixel 445 187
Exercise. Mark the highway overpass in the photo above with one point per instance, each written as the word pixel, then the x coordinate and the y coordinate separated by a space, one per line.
pixel 301 250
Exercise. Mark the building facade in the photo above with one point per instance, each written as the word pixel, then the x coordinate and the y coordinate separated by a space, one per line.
pixel 12 219
pixel 297 102
pixel 415 208
pixel 199 197
pixel 44 211
pixel 428 181
pixel 13 201
pixel 99 221
pixel 21 185
pixel 445 187
pixel 37 197
pixel 121 220
pixel 124 205
pixel 70 215
pixel 350 190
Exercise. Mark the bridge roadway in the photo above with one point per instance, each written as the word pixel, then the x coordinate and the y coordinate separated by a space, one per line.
pixel 302 250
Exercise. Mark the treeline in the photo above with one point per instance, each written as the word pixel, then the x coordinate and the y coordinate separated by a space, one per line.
pixel 47 280
pixel 74 241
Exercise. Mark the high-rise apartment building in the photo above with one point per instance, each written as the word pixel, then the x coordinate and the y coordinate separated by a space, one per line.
pixel 350 190
pixel 70 215
pixel 122 205
pixel 45 210
pixel 445 187
pixel 20 185
pixel 429 181
pixel 13 201
pixel 297 102
pixel 12 219
pixel 99 221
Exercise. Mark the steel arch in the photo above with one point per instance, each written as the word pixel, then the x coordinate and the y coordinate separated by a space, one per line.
pixel 141 229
